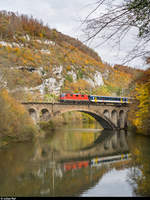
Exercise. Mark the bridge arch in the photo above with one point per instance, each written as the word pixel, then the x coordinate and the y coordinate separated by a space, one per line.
pixel 121 119
pixel 106 113
pixel 45 114
pixel 33 114
pixel 104 121
pixel 114 117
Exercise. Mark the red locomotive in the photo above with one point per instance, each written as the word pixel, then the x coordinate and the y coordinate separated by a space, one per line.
pixel 73 98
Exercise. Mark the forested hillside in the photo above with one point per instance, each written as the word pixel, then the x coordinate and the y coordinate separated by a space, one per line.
pixel 37 59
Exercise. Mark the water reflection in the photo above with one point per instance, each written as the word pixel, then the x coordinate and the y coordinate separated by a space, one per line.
pixel 67 164
pixel 81 145
pixel 139 175
pixel 74 139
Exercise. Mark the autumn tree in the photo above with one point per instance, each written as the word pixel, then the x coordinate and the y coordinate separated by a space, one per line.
pixel 140 109
pixel 15 122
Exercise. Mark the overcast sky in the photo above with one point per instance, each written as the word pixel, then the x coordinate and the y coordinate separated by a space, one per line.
pixel 65 16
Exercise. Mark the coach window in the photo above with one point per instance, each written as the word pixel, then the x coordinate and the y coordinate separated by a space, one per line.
pixel 91 97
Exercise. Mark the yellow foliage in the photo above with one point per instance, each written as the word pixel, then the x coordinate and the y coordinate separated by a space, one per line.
pixel 14 119
pixel 68 68
pixel 41 35
pixel 142 115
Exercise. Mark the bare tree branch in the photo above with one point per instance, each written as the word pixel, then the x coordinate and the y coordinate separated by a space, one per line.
pixel 116 21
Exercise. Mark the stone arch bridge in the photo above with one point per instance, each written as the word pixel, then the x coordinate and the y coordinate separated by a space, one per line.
pixel 109 116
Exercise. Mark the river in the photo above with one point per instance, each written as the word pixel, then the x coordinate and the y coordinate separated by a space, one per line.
pixel 77 161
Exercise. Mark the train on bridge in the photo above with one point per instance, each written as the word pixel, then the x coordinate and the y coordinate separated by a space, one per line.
pixel 84 98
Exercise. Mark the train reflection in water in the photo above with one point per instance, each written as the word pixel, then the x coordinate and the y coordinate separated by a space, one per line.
pixel 98 161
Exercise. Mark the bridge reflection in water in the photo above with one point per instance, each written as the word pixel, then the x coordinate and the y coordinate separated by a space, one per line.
pixel 50 170
pixel 106 143
pixel 79 170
